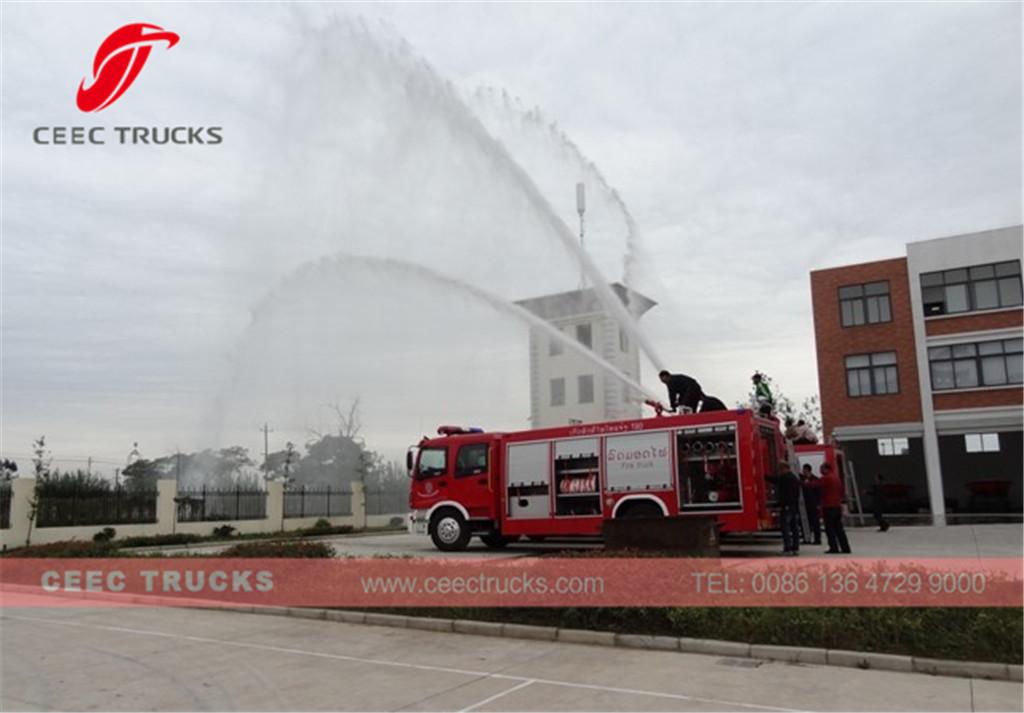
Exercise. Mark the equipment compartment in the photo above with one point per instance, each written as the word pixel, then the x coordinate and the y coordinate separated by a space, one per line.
pixel 709 477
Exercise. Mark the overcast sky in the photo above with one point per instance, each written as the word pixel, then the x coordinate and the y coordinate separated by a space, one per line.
pixel 178 295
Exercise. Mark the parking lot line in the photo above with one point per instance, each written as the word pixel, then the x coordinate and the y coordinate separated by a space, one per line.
pixel 400 664
pixel 498 695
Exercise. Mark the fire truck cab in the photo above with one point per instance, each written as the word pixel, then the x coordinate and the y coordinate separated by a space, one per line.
pixel 566 481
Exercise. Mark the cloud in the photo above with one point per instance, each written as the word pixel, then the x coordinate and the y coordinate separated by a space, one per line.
pixel 751 144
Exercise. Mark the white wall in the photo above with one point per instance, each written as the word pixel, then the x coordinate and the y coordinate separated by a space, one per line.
pixel 608 402
pixel 22 490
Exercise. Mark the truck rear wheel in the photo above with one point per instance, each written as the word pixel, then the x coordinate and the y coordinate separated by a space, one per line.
pixel 449 530
pixel 495 540
pixel 642 508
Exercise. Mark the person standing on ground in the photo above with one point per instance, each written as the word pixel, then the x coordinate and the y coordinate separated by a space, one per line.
pixel 787 485
pixel 812 501
pixel 683 390
pixel 762 395
pixel 831 488
pixel 878 502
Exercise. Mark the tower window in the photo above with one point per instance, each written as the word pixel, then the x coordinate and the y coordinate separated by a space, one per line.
pixel 585 385
pixel 558 392
pixel 584 335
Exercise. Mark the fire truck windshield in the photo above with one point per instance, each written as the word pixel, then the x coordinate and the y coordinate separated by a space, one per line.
pixel 433 461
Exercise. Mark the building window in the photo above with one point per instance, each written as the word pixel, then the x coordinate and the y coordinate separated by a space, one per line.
pixel 623 340
pixel 977 364
pixel 872 374
pixel 558 392
pixel 972 288
pixel 584 335
pixel 981 442
pixel 893 446
pixel 585 386
pixel 555 346
pixel 865 304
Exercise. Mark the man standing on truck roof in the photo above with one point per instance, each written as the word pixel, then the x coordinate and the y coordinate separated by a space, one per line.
pixel 763 395
pixel 710 403
pixel 683 390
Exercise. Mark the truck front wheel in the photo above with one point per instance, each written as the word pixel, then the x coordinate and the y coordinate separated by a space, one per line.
pixel 449 530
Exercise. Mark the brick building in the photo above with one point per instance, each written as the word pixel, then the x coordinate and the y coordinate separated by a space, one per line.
pixel 919 370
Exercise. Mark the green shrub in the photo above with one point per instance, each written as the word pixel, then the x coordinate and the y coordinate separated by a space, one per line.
pixel 322 524
pixel 279 549
pixel 104 535
pixel 328 530
pixel 72 548
pixel 178 538
pixel 966 634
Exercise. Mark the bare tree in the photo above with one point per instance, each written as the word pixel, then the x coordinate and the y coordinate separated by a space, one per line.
pixel 348 422
pixel 41 459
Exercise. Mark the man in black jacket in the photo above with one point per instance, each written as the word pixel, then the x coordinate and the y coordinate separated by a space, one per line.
pixel 683 390
pixel 710 403
pixel 787 487
pixel 812 505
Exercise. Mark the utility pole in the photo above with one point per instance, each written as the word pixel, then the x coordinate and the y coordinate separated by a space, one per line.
pixel 581 207
pixel 88 466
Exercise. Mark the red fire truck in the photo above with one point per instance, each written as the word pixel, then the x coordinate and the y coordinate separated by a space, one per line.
pixel 567 481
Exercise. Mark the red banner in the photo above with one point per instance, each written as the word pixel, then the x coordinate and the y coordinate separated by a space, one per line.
pixel 526 582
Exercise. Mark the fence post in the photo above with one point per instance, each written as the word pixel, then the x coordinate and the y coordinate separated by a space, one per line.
pixel 302 501
pixel 166 508
pixel 275 505
pixel 328 501
pixel 358 505
pixel 238 501
pixel 22 491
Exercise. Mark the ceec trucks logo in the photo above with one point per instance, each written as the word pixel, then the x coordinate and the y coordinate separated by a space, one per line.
pixel 118 62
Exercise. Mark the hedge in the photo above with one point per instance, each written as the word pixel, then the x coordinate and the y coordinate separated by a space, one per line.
pixel 967 634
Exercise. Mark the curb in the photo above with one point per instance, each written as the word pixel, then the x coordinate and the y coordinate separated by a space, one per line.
pixel 714 647
pixel 239 540
pixel 734 649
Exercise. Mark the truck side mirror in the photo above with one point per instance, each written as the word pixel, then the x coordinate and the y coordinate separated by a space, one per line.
pixel 408 462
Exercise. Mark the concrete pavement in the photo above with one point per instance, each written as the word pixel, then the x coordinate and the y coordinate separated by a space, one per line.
pixel 178 659
pixel 968 541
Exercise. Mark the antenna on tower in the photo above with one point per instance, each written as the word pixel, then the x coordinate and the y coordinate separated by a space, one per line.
pixel 581 207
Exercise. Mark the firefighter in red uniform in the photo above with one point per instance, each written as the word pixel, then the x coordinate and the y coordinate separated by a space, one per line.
pixel 832 508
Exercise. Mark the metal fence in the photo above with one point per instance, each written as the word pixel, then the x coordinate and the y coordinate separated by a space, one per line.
pixel 5 506
pixel 116 507
pixel 205 505
pixel 317 502
pixel 387 502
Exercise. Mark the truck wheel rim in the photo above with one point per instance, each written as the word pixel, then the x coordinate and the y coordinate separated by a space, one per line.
pixel 448 530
